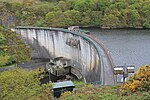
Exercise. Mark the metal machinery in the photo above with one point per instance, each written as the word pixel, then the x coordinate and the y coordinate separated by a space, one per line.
pixel 122 72
pixel 62 67
pixel 61 87
pixel 77 29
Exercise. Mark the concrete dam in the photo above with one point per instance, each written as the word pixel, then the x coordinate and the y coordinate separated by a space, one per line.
pixel 80 54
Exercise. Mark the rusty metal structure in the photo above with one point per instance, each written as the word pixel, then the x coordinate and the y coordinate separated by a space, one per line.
pixel 70 52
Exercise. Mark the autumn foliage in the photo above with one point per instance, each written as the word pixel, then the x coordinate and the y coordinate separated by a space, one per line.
pixel 140 81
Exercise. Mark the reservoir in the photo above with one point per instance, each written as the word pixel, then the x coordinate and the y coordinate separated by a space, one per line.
pixel 127 46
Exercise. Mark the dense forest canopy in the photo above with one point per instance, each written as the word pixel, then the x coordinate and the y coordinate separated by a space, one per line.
pixel 62 13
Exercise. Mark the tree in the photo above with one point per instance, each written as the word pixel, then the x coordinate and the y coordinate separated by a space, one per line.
pixel 2 38
pixel 50 18
pixel 73 16
pixel 119 5
pixel 12 48
pixel 146 12
pixel 55 19
pixel 3 57
pixel 16 47
pixel 110 21
pixel 92 18
pixel 70 4
pixel 96 18
pixel 62 6
pixel 85 18
pixel 132 17
pixel 131 13
pixel 19 84
pixel 83 5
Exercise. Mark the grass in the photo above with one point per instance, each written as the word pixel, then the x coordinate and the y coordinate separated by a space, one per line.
pixel 90 92
pixel 79 84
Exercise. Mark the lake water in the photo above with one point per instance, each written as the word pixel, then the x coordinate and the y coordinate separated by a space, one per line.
pixel 127 46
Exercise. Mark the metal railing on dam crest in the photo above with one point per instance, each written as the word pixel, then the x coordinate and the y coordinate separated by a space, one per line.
pixel 81 51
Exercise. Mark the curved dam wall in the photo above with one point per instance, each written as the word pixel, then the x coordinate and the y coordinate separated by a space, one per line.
pixel 51 43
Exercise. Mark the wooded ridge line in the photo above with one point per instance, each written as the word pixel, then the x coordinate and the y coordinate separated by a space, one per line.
pixel 63 13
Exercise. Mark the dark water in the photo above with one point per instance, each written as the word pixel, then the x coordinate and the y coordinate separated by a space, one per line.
pixel 127 46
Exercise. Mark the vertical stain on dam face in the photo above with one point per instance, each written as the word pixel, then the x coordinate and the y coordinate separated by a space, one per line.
pixel 54 43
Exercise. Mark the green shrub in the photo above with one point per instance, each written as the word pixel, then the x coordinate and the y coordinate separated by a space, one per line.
pixel 19 84
pixel 140 81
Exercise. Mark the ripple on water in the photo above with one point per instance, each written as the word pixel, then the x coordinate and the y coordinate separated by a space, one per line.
pixel 126 46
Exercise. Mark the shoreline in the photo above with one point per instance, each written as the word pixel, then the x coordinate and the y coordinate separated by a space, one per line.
pixel 111 28
pixel 103 28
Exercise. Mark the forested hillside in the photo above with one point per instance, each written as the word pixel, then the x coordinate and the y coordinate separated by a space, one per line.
pixel 12 48
pixel 62 13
